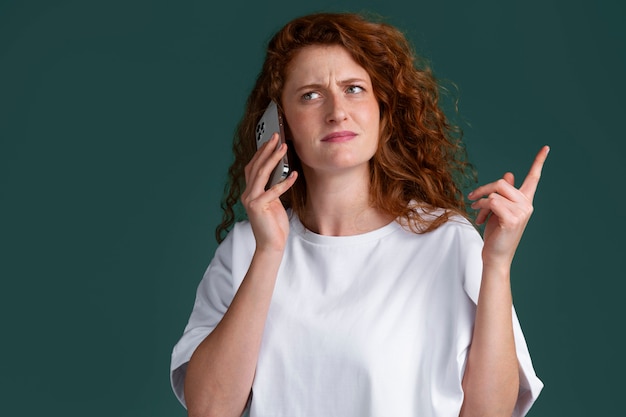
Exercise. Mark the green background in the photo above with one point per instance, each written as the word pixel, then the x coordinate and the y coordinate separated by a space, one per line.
pixel 116 119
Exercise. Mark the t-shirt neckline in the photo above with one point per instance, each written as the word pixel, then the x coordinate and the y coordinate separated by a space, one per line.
pixel 316 238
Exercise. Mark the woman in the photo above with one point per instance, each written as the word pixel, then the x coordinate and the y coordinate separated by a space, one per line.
pixel 357 294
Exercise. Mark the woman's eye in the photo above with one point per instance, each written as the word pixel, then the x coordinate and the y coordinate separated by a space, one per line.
pixel 353 89
pixel 310 96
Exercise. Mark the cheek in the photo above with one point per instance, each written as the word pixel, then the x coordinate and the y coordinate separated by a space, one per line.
pixel 376 120
pixel 293 135
pixel 298 126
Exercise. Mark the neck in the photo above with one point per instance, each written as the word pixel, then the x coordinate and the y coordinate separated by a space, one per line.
pixel 340 205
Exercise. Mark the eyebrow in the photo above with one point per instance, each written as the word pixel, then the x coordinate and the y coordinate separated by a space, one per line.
pixel 315 86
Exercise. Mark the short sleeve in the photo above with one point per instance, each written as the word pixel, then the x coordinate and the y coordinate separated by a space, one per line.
pixel 529 385
pixel 213 297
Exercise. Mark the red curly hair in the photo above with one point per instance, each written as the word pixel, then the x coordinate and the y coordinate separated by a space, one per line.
pixel 420 160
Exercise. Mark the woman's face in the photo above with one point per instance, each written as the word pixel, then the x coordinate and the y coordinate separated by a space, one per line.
pixel 331 110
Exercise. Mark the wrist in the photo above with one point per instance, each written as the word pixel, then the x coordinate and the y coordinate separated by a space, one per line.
pixel 497 268
pixel 269 253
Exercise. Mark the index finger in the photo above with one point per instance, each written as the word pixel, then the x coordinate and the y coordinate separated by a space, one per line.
pixel 534 174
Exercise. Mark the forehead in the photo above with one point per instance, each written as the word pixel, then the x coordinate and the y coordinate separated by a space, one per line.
pixel 315 63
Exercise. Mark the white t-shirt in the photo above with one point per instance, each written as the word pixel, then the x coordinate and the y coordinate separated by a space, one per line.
pixel 377 324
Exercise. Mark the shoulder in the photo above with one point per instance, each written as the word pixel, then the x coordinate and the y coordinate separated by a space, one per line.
pixel 233 256
pixel 239 241
pixel 460 226
pixel 459 247
pixel 240 232
pixel 456 241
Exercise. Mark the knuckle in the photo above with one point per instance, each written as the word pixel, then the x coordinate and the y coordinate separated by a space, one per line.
pixel 253 205
pixel 501 183
pixel 527 208
pixel 264 170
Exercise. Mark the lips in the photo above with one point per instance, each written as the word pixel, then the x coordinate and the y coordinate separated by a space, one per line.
pixel 342 136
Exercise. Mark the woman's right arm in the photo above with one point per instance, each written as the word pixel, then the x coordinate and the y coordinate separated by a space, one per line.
pixel 221 370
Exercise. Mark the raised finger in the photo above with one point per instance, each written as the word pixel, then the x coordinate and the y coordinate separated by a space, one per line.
pixel 529 187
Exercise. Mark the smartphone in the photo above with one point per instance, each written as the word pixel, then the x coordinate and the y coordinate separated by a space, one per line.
pixel 272 122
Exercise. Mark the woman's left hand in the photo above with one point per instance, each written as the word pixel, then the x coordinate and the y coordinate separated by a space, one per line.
pixel 506 210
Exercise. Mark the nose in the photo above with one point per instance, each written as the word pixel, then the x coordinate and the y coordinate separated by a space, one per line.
pixel 336 109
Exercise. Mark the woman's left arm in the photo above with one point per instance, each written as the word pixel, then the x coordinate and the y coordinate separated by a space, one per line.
pixel 491 379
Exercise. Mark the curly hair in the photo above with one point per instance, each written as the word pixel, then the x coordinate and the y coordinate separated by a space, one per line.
pixel 420 161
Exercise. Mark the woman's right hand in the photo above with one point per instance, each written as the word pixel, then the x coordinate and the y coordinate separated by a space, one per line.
pixel 266 213
pixel 221 370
